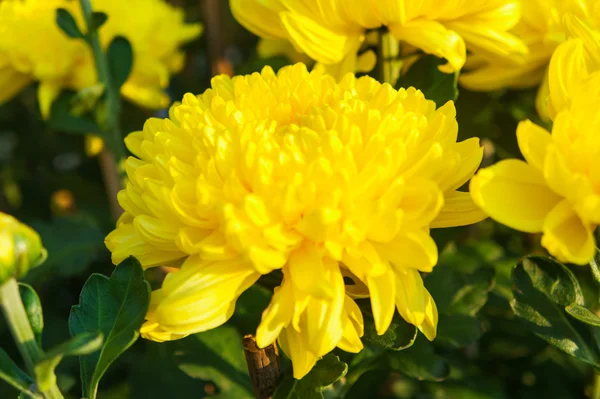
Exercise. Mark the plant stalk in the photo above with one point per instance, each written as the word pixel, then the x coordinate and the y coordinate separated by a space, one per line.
pixel 596 387
pixel 389 63
pixel 21 330
pixel 110 125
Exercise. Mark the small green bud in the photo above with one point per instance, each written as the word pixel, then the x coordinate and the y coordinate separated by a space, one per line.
pixel 20 248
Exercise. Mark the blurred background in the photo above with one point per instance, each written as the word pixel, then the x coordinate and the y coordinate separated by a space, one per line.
pixel 51 180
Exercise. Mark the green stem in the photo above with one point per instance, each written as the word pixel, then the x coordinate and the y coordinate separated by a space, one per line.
pixel 110 124
pixel 389 62
pixel 18 322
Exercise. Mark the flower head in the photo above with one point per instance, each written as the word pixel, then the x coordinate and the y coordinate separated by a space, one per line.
pixel 20 248
pixel 556 190
pixel 294 172
pixel 33 48
pixel 544 25
pixel 331 32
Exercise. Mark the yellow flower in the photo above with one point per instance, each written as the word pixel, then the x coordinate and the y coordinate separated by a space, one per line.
pixel 543 28
pixel 294 171
pixel 332 31
pixel 556 190
pixel 20 248
pixel 33 48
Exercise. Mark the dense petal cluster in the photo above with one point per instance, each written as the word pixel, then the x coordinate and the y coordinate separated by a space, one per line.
pixel 556 190
pixel 332 31
pixel 295 172
pixel 544 25
pixel 20 248
pixel 33 48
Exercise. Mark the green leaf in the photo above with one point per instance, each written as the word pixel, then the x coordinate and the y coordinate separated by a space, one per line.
pixel 458 330
pixel 12 374
pixel 217 355
pixel 82 344
pixel 72 243
pixel 67 24
pixel 542 288
pixel 399 335
pixel 33 308
pixel 120 61
pixel 98 19
pixel 458 292
pixel 583 314
pixel 436 85
pixel 115 307
pixel 62 117
pixel 327 371
pixel 420 362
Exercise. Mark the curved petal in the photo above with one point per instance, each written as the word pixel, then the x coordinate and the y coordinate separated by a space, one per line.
pixel 433 38
pixel 515 194
pixel 11 82
pixel 458 210
pixel 567 237
pixel 353 327
pixel 276 316
pixel 294 346
pixel 429 325
pixel 413 250
pixel 309 273
pixel 567 69
pixel 533 142
pixel 471 154
pixel 382 290
pixel 47 93
pixel 259 17
pixel 411 296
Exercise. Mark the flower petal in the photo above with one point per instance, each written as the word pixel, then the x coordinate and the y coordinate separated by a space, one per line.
pixel 411 296
pixel 429 325
pixel 382 290
pixel 567 69
pixel 458 210
pixel 533 143
pixel 276 316
pixel 567 237
pixel 414 250
pixel 353 327
pixel 515 194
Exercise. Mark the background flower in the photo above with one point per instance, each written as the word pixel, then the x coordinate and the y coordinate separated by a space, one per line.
pixel 332 32
pixel 33 48
pixel 295 172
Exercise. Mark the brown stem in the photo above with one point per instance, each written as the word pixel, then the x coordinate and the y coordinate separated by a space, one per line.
pixel 263 367
pixel 112 180
pixel 214 38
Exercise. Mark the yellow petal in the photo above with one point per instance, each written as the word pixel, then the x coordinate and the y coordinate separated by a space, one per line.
pixel 11 83
pixel 320 43
pixel 429 325
pixel 458 210
pixel 567 69
pixel 567 237
pixel 353 327
pixel 382 290
pixel 411 296
pixel 542 100
pixel 276 316
pixel 293 345
pixel 309 273
pixel 433 38
pixel 515 194
pixel 47 93
pixel 533 143
pixel 415 250
pixel 471 154
pixel 260 17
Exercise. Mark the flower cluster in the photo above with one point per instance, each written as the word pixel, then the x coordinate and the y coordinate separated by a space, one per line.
pixel 332 31
pixel 329 182
pixel 543 26
pixel 33 48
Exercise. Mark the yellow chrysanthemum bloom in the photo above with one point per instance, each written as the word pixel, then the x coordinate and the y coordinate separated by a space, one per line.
pixel 33 48
pixel 294 171
pixel 543 28
pixel 332 31
pixel 556 190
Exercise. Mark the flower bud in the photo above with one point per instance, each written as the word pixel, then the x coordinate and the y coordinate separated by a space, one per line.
pixel 20 248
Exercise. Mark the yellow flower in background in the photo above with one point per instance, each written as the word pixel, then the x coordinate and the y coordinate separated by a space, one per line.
pixel 20 248
pixel 34 49
pixel 556 190
pixel 543 28
pixel 332 31
pixel 294 171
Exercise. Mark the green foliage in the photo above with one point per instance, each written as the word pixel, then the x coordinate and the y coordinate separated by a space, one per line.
pixel 420 361
pixel 12 374
pixel 98 19
pixel 543 288
pixel 436 85
pixel 120 61
pixel 67 24
pixel 65 115
pixel 83 344
pixel 326 372
pixel 33 308
pixel 399 335
pixel 217 355
pixel 114 307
